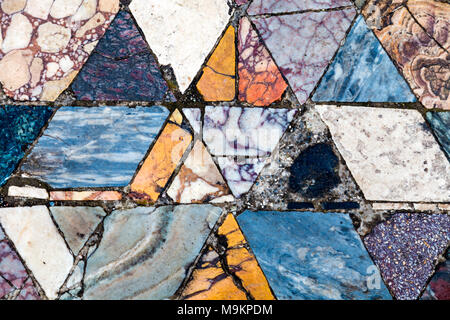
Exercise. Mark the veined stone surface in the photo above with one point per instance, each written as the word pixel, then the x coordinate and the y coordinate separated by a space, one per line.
pixel 391 154
pixel 84 147
pixel 312 255
pixel 303 44
pixel 181 33
pixel 47 42
pixel 144 252
pixel 194 116
pixel 367 76
pixel 439 286
pixel 41 246
pixel 440 123
pixel 284 6
pixel 244 131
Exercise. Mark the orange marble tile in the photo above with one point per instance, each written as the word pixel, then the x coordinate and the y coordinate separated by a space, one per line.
pixel 217 82
pixel 240 277
pixel 161 161
pixel 199 180
pixel 85 196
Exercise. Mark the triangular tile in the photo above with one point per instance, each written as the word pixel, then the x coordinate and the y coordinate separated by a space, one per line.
pixel 19 127
pixel 162 160
pixel 47 42
pixel 283 6
pixel 218 80
pixel 214 280
pixel 28 292
pixel 199 180
pixel 181 33
pixel 303 44
pixel 406 248
pixel 40 245
pixel 77 224
pixel 362 72
pixel 240 173
pixel 94 147
pixel 260 81
pixel 229 131
pixel 121 67
pixel 194 116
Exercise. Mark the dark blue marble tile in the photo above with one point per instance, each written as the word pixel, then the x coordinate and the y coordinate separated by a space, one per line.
pixel 19 127
pixel 339 205
pixel 121 67
pixel 440 123
pixel 362 71
pixel 94 147
pixel 314 172
pixel 307 255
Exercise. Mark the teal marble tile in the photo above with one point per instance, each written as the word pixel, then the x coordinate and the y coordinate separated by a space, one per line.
pixel 94 147
pixel 312 256
pixel 362 72
pixel 440 123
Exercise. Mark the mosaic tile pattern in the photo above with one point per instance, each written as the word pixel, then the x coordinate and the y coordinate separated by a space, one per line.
pixel 224 150
pixel 46 43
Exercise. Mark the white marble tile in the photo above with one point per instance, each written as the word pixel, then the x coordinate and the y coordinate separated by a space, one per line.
pixel 181 32
pixel 39 244
pixel 390 152
pixel 27 192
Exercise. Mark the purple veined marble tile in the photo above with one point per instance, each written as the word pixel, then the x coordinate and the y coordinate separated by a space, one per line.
pixel 303 44
pixel 194 116
pixel 406 247
pixel 11 267
pixel 240 2
pixel 439 286
pixel 28 292
pixel 240 174
pixel 278 6
pixel 5 287
pixel 230 131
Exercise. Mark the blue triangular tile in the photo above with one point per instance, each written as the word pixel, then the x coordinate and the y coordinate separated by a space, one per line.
pixel 121 67
pixel 363 72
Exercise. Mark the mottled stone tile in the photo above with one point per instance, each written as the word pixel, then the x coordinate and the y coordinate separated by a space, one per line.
pixel 362 72
pixel 77 224
pixel 439 286
pixel 244 131
pixel 240 173
pixel 181 33
pixel 11 268
pixel 280 6
pixel 19 126
pixel 28 192
pixel 145 252
pixel 406 247
pixel 218 81
pixel 85 196
pixel 194 116
pixel 38 242
pixel 162 160
pixel 46 43
pixel 214 280
pixel 312 255
pixel 303 44
pixel 260 81
pixel 440 123
pixel 390 152
pixel 121 67
pixel 199 180
pixel 421 60
pixel 85 147
pixel 28 292
pixel 433 15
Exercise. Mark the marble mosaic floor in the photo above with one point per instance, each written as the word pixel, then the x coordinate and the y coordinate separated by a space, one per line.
pixel 214 149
